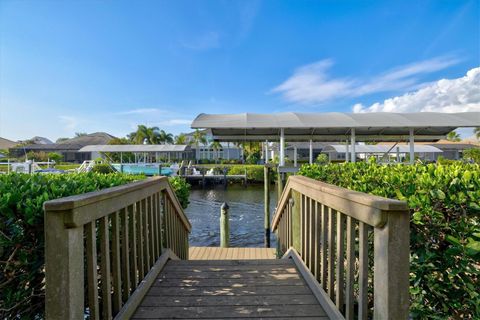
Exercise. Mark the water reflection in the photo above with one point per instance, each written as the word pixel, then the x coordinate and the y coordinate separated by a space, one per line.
pixel 246 215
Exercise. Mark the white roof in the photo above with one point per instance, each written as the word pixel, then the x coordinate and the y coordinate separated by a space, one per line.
pixel 418 148
pixel 135 148
pixel 300 126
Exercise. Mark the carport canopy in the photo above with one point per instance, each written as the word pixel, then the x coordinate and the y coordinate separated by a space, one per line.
pixel 335 126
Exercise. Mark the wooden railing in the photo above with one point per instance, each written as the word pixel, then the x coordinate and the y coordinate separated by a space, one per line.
pixel 105 247
pixel 336 233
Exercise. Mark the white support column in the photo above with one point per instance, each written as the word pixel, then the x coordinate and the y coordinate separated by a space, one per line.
pixel 266 151
pixel 412 147
pixel 354 156
pixel 228 150
pixel 295 156
pixel 347 155
pixel 282 148
pixel 311 152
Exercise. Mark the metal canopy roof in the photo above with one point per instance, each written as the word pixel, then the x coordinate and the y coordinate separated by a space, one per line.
pixel 341 148
pixel 428 126
pixel 136 148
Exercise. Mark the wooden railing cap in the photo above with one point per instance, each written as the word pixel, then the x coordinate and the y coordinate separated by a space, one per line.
pixel 367 208
pixel 382 203
pixel 76 201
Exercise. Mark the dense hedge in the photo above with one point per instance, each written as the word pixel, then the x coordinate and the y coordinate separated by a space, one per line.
pixel 182 190
pixel 22 232
pixel 445 228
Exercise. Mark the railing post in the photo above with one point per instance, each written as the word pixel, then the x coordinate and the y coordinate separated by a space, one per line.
pixel 266 178
pixel 391 263
pixel 64 269
pixel 296 236
pixel 224 226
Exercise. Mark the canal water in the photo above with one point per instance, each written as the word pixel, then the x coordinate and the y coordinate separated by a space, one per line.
pixel 246 215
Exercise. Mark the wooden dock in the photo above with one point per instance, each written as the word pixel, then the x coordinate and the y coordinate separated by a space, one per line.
pixel 217 253
pixel 227 289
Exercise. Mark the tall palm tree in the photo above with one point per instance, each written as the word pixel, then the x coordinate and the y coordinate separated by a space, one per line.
pixel 453 136
pixel 181 139
pixel 199 137
pixel 164 137
pixel 216 146
pixel 145 135
pixel 477 132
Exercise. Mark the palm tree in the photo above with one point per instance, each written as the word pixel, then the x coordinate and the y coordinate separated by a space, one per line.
pixel 199 137
pixel 145 135
pixel 477 132
pixel 80 134
pixel 181 139
pixel 164 137
pixel 216 146
pixel 453 136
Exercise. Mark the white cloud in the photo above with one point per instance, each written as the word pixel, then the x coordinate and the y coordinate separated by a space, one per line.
pixel 70 123
pixel 205 41
pixel 312 84
pixel 175 122
pixel 139 111
pixel 446 95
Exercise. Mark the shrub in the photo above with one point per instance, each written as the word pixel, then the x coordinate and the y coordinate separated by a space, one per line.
pixel 182 190
pixel 22 231
pixel 445 228
pixel 472 155
pixel 55 156
pixel 103 168
pixel 322 158
pixel 254 172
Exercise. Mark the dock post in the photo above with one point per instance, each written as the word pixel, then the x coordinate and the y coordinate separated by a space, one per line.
pixel 266 178
pixel 279 184
pixel 224 226
pixel 225 181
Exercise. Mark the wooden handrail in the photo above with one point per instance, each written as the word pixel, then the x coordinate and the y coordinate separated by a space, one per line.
pixel 118 235
pixel 367 208
pixel 78 208
pixel 330 227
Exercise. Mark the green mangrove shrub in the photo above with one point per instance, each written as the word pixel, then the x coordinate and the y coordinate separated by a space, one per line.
pixel 444 203
pixel 22 196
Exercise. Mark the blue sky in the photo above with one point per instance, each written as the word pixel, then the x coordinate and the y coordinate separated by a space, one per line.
pixel 86 66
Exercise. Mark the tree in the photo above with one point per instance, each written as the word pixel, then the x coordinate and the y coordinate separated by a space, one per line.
pixel 453 136
pixel 145 135
pixel 61 140
pixel 477 132
pixel 181 139
pixel 216 146
pixel 55 156
pixel 164 137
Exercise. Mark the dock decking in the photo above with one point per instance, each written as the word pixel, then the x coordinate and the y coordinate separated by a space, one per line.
pixel 224 289
pixel 217 253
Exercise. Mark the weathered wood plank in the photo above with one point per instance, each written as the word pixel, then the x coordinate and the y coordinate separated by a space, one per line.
pixel 239 282
pixel 92 276
pixel 227 291
pixel 363 272
pixel 339 271
pixel 125 255
pixel 116 270
pixel 105 268
pixel 193 301
pixel 349 303
pixel 228 262
pixel 228 311
pixel 331 250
